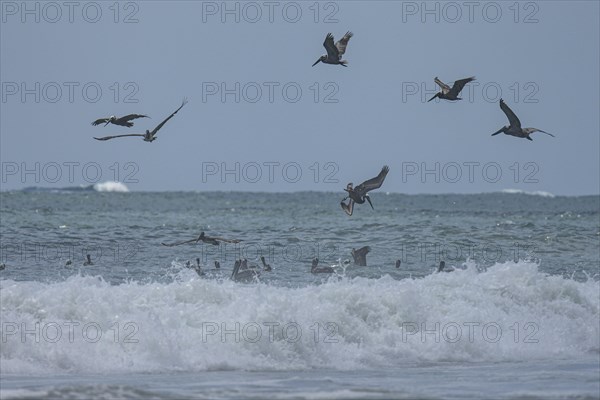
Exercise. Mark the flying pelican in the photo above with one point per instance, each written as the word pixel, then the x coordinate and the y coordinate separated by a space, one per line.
pixel 315 269
pixel 203 238
pixel 148 136
pixel 241 272
pixel 360 193
pixel 449 93
pixel 334 51
pixel 515 125
pixel 88 260
pixel 123 121
pixel 360 256
pixel 266 267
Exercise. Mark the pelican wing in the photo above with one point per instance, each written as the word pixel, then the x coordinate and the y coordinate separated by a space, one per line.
pixel 332 51
pixel 445 88
pixel 224 240
pixel 512 118
pixel 342 43
pixel 348 208
pixel 168 118
pixel 125 119
pixel 373 183
pixel 100 121
pixel 460 84
pixel 117 136
pixel 180 243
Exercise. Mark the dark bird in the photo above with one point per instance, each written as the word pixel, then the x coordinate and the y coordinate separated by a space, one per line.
pixel 360 256
pixel 88 260
pixel 266 267
pixel 203 238
pixel 315 269
pixel 451 93
pixel 69 262
pixel 442 267
pixel 148 136
pixel 217 265
pixel 197 267
pixel 123 121
pixel 360 193
pixel 514 129
pixel 334 51
pixel 241 272
pixel 398 263
pixel 2 267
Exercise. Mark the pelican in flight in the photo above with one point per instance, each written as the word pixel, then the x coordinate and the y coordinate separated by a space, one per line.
pixel 242 273
pixel 203 238
pixel 148 136
pixel 360 256
pixel 315 269
pixel 123 121
pixel 334 51
pixel 360 193
pixel 515 125
pixel 451 93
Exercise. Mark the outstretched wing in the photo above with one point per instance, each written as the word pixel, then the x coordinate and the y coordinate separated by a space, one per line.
pixel 373 183
pixel 168 118
pixel 179 243
pixel 125 119
pixel 342 43
pixel 512 118
pixel 459 85
pixel 224 240
pixel 332 51
pixel 100 121
pixel 117 136
pixel 445 88
pixel 348 208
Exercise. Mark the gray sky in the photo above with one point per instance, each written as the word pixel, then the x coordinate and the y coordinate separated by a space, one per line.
pixel 282 125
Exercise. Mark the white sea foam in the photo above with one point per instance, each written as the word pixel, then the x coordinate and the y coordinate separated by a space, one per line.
pixel 510 312
pixel 110 186
pixel 533 193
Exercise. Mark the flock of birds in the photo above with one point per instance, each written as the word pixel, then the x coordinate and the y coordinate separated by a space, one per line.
pixel 355 195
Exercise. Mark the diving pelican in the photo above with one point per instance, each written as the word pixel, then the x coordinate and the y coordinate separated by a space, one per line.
pixel 514 129
pixel 334 51
pixel 315 269
pixel 360 256
pixel 148 136
pixel 123 121
pixel 451 93
pixel 203 238
pixel 360 193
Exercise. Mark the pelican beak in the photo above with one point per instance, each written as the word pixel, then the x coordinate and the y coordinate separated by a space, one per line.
pixel 107 122
pixel 436 95
pixel 499 131
pixel 369 200
pixel 316 62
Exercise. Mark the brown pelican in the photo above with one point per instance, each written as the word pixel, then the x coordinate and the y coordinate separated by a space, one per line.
pixel 442 267
pixel 69 262
pixel 266 267
pixel 88 260
pixel 203 238
pixel 197 267
pixel 217 265
pixel 148 136
pixel 241 272
pixel 315 269
pixel 123 121
pixel 360 256
pixel 398 262
pixel 360 193
pixel 334 51
pixel 515 125
pixel 2 267
pixel 451 93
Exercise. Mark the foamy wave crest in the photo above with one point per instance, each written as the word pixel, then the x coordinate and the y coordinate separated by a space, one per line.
pixel 510 312
pixel 533 193
pixel 110 186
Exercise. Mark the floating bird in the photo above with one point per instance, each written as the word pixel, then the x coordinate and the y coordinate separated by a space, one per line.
pixel 515 125
pixel 217 265
pixel 334 51
pixel 241 272
pixel 89 260
pixel 148 136
pixel 69 262
pixel 360 193
pixel 398 263
pixel 123 121
pixel 203 238
pixel 266 267
pixel 442 266
pixel 315 269
pixel 451 93
pixel 2 267
pixel 360 256
pixel 197 267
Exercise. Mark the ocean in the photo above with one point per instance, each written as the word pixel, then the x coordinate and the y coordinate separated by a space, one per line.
pixel 518 316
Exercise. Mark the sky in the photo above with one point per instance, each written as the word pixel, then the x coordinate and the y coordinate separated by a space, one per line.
pixel 260 118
